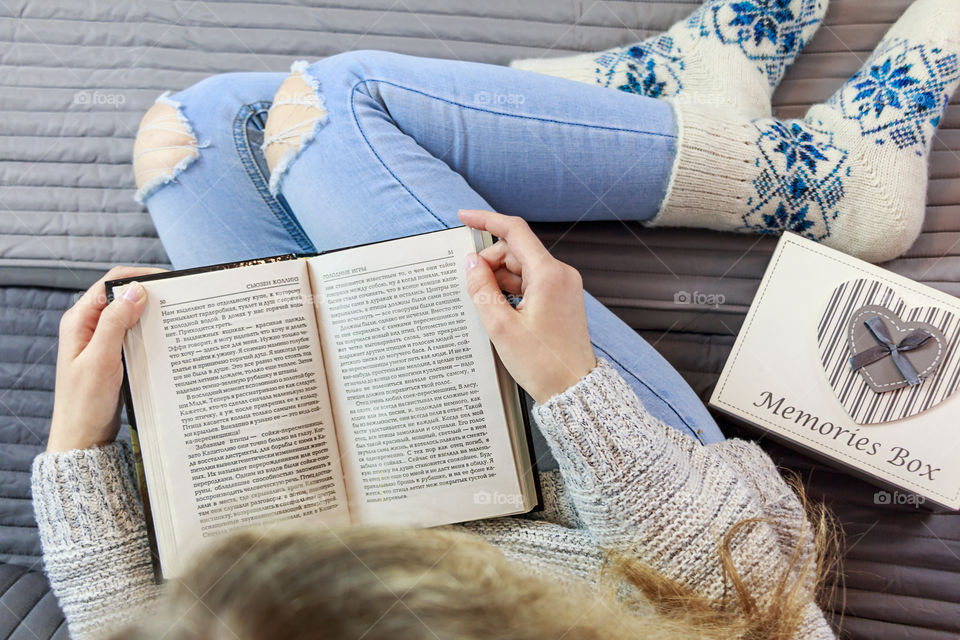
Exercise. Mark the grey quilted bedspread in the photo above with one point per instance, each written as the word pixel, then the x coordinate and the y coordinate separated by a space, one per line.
pixel 75 77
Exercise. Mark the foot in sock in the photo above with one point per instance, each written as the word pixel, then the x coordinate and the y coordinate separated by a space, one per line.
pixel 728 53
pixel 852 174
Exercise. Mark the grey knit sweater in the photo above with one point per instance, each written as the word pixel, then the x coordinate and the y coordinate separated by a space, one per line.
pixel 626 480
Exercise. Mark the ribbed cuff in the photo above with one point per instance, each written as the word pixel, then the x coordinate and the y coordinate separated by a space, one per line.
pixel 582 68
pixel 598 420
pixel 85 494
pixel 713 170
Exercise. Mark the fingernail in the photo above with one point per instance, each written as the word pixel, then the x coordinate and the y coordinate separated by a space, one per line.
pixel 134 292
pixel 472 260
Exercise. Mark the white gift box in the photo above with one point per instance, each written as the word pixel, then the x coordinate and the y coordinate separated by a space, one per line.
pixel 853 364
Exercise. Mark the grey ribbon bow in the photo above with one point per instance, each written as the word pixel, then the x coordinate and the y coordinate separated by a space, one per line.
pixel 886 347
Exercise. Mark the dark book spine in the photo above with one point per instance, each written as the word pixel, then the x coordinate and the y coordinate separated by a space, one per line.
pixel 528 433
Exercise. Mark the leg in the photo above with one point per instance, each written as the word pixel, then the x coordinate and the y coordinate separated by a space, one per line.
pixel 380 159
pixel 401 143
pixel 853 173
pixel 662 390
pixel 200 171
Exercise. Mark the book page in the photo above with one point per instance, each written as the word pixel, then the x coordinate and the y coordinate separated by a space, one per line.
pixel 240 420
pixel 411 373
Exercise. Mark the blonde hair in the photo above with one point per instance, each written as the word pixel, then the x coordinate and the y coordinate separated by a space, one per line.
pixel 395 583
pixel 811 576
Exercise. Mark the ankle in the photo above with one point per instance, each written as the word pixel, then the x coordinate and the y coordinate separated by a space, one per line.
pixel 710 182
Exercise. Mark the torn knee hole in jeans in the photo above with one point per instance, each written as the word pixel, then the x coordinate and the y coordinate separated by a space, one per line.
pixel 295 116
pixel 165 146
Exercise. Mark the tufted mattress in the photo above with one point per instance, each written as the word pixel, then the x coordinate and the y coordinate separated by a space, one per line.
pixel 76 77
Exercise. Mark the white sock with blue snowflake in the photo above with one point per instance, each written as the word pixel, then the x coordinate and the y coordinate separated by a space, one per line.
pixel 728 53
pixel 852 174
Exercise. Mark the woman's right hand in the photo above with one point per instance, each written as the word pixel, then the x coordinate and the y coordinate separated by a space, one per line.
pixel 544 342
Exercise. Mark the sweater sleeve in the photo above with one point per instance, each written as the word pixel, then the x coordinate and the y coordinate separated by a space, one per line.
pixel 95 546
pixel 640 485
pixel 777 500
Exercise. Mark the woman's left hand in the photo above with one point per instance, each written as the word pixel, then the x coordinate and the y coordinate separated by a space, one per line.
pixel 86 406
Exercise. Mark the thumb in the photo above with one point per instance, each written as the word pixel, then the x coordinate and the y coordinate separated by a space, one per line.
pixel 116 318
pixel 495 312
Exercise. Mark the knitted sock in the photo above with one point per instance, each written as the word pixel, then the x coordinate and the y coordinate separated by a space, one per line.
pixel 728 53
pixel 852 174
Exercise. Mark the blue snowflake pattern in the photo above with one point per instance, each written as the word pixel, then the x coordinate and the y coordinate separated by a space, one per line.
pixel 652 68
pixel 764 18
pixel 770 33
pixel 900 93
pixel 783 218
pixel 797 144
pixel 884 85
pixel 648 84
pixel 799 183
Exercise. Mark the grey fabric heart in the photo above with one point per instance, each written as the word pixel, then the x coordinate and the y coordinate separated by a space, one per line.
pixel 884 375
pixel 864 394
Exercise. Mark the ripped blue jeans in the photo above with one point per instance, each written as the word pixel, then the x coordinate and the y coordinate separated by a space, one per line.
pixel 405 143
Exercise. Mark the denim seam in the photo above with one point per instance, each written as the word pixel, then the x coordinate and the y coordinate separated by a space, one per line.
pixel 356 120
pixel 685 422
pixel 671 136
pixel 256 177
pixel 363 134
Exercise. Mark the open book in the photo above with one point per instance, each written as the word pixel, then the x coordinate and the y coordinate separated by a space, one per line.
pixel 355 386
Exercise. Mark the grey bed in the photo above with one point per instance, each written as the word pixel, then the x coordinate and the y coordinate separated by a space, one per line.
pixel 76 77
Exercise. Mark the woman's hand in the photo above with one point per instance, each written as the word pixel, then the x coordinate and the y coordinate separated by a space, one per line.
pixel 86 405
pixel 544 341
